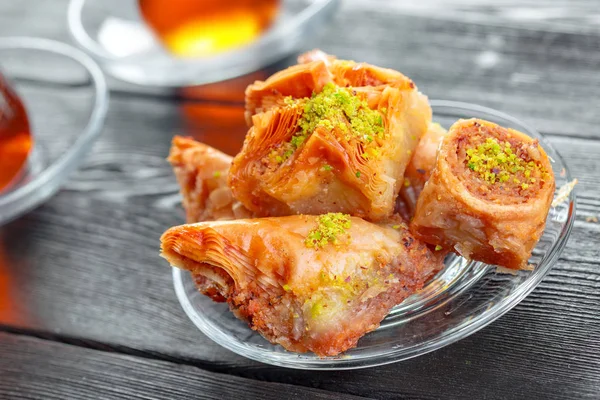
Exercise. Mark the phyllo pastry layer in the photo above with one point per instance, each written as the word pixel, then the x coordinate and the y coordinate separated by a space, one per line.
pixel 308 283
pixel 329 136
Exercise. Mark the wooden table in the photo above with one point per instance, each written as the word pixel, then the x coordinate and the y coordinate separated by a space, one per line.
pixel 89 309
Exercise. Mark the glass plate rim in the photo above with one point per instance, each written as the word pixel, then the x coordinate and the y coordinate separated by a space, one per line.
pixel 397 355
pixel 49 180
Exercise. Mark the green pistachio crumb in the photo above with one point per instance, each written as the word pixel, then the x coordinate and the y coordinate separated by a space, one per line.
pixel 329 228
pixel 297 141
pixel 316 309
pixel 497 162
pixel 338 107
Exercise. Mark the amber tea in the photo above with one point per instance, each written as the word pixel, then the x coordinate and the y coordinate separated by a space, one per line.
pixel 15 136
pixel 196 28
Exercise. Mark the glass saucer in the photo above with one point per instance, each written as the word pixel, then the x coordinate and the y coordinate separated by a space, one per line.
pixel 66 98
pixel 463 298
pixel 112 31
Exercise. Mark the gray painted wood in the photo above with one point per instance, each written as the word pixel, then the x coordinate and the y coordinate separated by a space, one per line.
pixel 548 15
pixel 37 369
pixel 83 268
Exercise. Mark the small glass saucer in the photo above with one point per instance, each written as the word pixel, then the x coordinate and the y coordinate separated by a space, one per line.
pixel 66 98
pixel 463 298
pixel 112 31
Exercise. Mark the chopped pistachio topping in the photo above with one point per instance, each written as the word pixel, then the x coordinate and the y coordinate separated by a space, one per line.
pixel 297 141
pixel 289 100
pixel 281 153
pixel 496 162
pixel 217 174
pixel 326 167
pixel 337 107
pixel 438 247
pixel 358 174
pixel 329 228
pixel 316 309
pixel 287 287
pixel 371 153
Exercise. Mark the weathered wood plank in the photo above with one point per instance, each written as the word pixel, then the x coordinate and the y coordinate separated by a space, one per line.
pixel 37 369
pixel 550 15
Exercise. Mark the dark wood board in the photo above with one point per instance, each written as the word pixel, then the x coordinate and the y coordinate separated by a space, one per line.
pixel 83 268
pixel 37 369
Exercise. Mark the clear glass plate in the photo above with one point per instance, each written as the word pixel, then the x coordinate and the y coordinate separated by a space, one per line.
pixel 112 31
pixel 66 98
pixel 463 298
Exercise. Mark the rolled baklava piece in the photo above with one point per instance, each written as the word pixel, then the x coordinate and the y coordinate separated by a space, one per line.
pixel 337 149
pixel 308 283
pixel 488 196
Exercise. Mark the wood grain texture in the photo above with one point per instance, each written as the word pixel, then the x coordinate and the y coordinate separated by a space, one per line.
pixel 37 369
pixel 83 268
pixel 549 15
